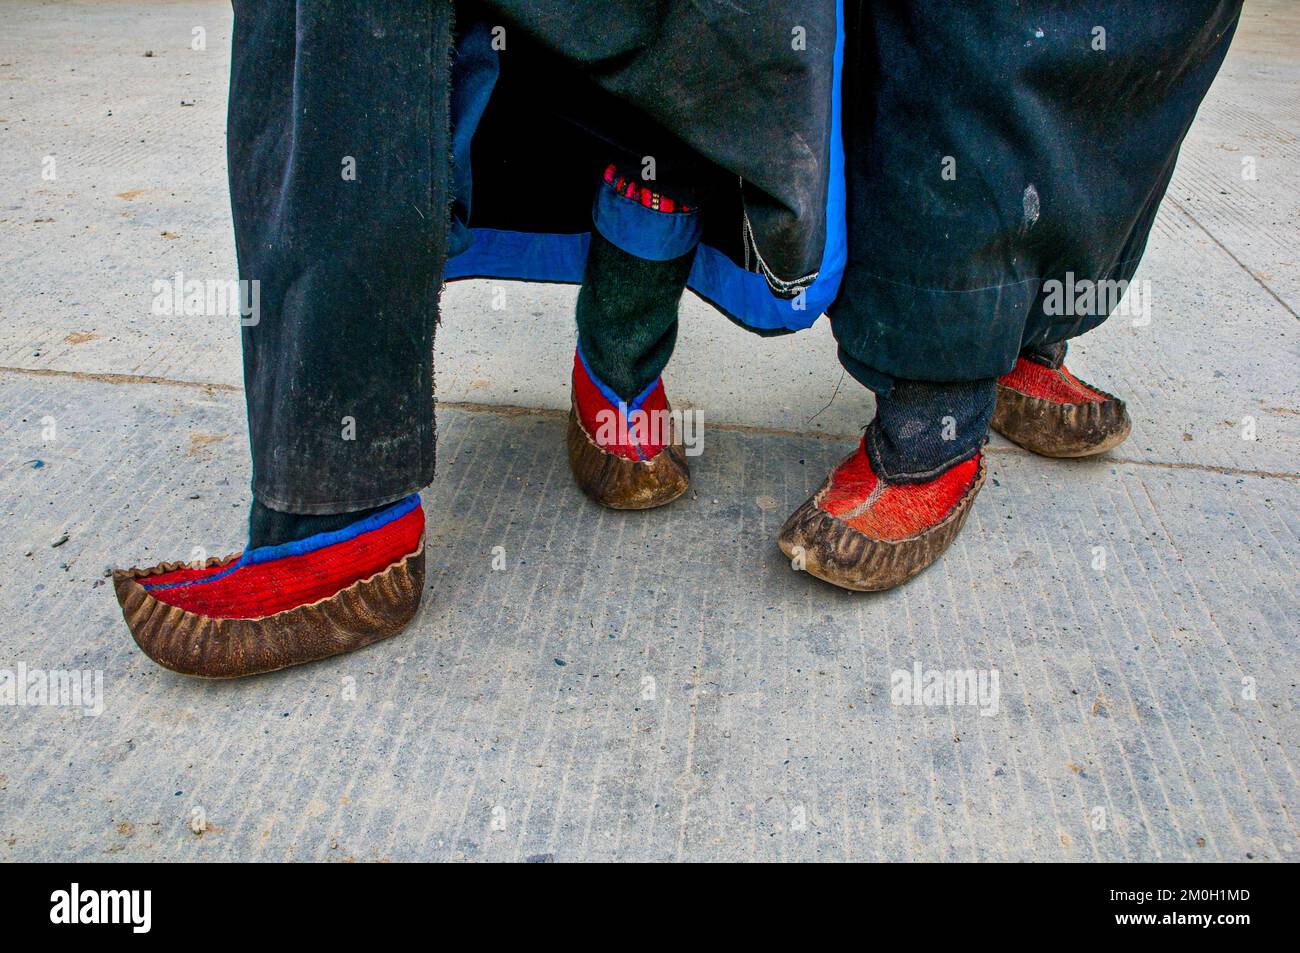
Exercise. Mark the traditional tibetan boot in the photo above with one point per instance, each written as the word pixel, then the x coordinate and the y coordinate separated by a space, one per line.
pixel 624 455
pixel 276 606
pixel 1046 409
pixel 860 532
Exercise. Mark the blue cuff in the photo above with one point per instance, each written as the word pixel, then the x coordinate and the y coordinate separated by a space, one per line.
pixel 641 231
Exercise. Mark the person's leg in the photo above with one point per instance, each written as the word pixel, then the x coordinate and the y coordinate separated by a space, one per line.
pixel 923 428
pixel 342 250
pixel 627 315
pixel 1034 153
pixel 621 448
pixel 346 246
pixel 1031 157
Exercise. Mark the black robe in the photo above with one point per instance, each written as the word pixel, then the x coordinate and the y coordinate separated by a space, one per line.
pixel 921 171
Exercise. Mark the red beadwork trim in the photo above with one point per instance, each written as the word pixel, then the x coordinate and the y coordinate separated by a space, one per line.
pixel 631 189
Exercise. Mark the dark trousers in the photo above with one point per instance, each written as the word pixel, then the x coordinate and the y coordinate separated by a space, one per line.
pixel 340 215
pixel 339 146
pixel 994 149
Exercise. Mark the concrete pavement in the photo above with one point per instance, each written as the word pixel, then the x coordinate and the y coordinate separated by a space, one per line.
pixel 642 686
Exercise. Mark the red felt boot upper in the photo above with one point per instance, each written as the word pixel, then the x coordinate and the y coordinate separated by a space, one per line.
pixel 1055 384
pixel 636 430
pixel 892 511
pixel 258 585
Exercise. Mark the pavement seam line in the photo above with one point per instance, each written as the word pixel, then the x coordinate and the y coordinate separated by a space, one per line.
pixel 515 410
pixel 1228 251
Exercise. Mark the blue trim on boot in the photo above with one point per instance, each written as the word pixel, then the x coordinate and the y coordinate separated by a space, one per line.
pixel 301 547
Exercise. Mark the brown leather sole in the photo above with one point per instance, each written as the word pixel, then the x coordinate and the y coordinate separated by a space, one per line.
pixel 366 611
pixel 1061 430
pixel 835 552
pixel 623 484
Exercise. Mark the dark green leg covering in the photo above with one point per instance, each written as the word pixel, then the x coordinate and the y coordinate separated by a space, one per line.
pixel 627 315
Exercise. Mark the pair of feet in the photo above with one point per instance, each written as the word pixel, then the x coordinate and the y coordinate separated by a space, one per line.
pixel 858 531
pixel 335 591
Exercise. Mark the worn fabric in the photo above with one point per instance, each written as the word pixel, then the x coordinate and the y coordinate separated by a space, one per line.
pixel 1059 154
pixel 744 89
pixel 814 140
pixel 736 103
pixel 337 366
pixel 923 428
pixel 978 156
